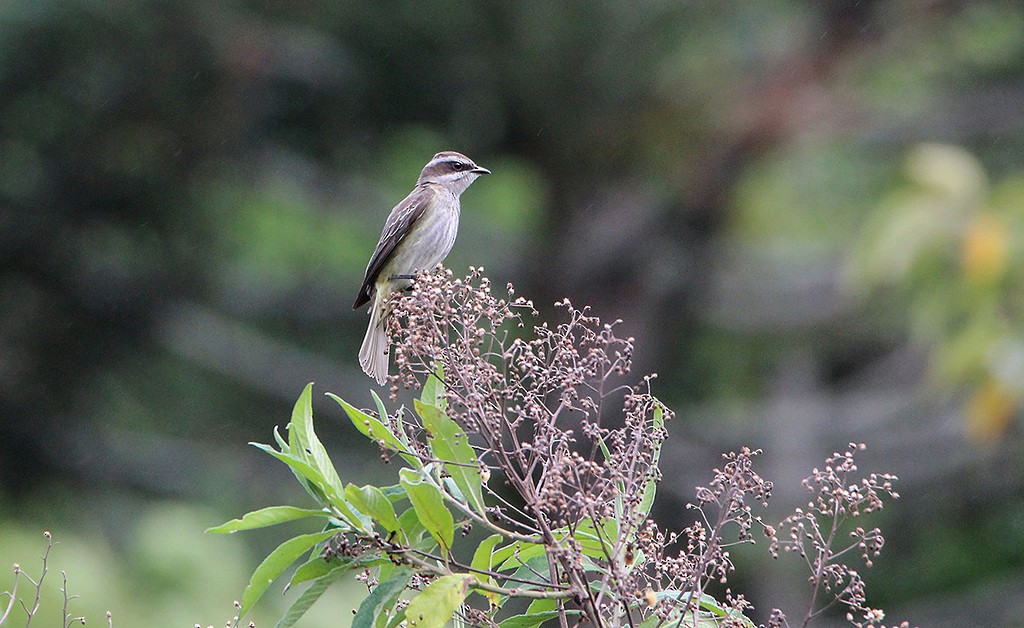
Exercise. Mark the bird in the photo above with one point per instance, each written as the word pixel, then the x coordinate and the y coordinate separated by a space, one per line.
pixel 418 235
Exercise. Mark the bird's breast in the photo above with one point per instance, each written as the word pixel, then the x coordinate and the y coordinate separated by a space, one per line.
pixel 430 239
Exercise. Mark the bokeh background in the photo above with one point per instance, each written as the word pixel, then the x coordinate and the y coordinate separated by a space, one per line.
pixel 810 214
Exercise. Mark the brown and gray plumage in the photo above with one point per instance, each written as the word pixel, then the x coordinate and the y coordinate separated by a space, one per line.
pixel 418 235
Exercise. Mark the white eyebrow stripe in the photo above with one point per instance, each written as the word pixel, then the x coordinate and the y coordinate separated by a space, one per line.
pixel 440 160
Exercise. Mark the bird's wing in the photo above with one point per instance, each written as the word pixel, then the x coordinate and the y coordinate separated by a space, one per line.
pixel 398 225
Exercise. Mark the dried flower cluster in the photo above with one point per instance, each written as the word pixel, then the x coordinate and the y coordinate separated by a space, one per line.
pixel 725 512
pixel 549 414
pixel 813 534
pixel 546 412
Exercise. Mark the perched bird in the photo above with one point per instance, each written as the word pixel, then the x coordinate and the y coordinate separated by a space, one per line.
pixel 418 235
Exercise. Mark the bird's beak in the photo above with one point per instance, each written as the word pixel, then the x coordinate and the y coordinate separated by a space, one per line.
pixel 479 170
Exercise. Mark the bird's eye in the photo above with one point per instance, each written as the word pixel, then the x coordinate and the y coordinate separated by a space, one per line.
pixel 458 165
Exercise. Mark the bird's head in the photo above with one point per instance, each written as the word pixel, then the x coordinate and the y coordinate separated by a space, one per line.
pixel 453 170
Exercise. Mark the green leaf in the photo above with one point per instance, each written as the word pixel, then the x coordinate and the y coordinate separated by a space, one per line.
pixel 536 570
pixel 281 442
pixel 482 557
pixel 370 426
pixel 710 615
pixel 517 554
pixel 307 475
pixel 433 390
pixel 439 600
pixel 317 567
pixel 411 526
pixel 449 443
pixel 531 620
pixel 651 487
pixel 309 597
pixel 483 561
pixel 319 488
pixel 384 595
pixel 596 543
pixel 304 442
pixel 266 517
pixel 272 566
pixel 428 503
pixel 372 501
pixel 541 605
pixel 397 617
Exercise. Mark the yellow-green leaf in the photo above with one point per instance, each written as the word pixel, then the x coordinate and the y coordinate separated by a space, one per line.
pixel 428 503
pixel 449 444
pixel 439 600
pixel 272 566
pixel 372 501
pixel 266 517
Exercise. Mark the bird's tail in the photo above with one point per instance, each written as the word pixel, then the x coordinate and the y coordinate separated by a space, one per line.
pixel 373 355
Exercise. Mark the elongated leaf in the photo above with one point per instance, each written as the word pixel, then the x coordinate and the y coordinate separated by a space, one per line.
pixel 532 620
pixel 382 411
pixel 541 605
pixel 305 443
pixel 483 561
pixel 307 475
pixel 397 617
pixel 309 597
pixel 596 543
pixel 282 444
pixel 272 566
pixel 710 615
pixel 449 443
pixel 411 526
pixel 521 554
pixel 384 595
pixel 536 570
pixel 433 390
pixel 371 426
pixel 319 488
pixel 439 600
pixel 317 567
pixel 266 517
pixel 372 501
pixel 428 503
pixel 651 487
pixel 482 557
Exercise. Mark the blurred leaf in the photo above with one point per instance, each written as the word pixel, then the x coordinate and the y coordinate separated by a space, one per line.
pixel 439 600
pixel 428 503
pixel 384 595
pixel 597 542
pixel 276 562
pixel 483 556
pixel 989 411
pixel 984 251
pixel 266 517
